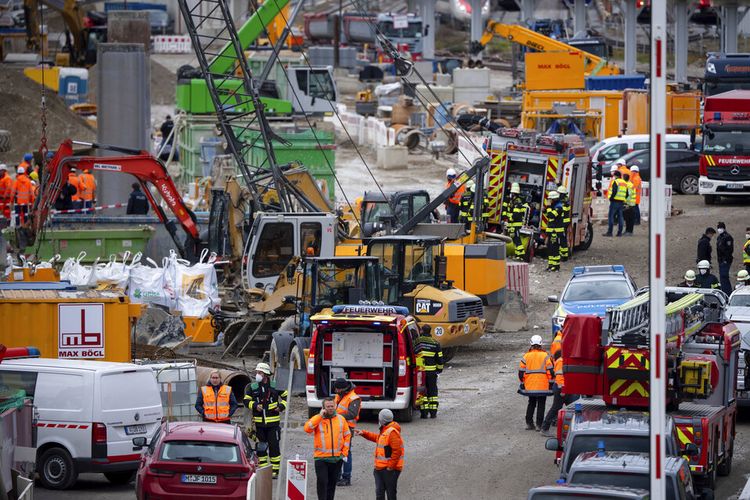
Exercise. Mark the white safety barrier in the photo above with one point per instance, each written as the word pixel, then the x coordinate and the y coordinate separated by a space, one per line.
pixel 368 131
pixel 171 44
pixel 518 279
pixel 469 148
pixel 600 206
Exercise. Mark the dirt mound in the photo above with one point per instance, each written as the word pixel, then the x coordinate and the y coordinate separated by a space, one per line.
pixel 20 100
pixel 163 84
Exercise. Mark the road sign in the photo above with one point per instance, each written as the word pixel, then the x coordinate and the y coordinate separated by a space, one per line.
pixel 296 480
pixel 80 331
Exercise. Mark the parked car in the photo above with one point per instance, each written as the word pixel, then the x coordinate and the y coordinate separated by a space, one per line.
pixel 682 168
pixel 578 491
pixel 738 311
pixel 89 412
pixel 195 460
pixel 610 149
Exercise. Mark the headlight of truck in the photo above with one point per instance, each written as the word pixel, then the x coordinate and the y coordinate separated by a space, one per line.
pixel 710 68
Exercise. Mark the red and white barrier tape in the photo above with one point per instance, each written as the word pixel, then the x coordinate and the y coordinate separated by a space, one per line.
pixel 86 210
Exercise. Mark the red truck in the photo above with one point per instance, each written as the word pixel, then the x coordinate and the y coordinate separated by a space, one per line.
pixel 724 166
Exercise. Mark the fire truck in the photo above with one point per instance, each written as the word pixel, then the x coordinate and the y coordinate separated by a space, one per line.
pixel 609 358
pixel 539 166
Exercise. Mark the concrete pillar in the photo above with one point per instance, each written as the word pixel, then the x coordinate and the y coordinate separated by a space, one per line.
pixel 124 110
pixel 430 26
pixel 631 41
pixel 411 6
pixel 579 19
pixel 527 10
pixel 680 40
pixel 129 26
pixel 477 28
pixel 729 23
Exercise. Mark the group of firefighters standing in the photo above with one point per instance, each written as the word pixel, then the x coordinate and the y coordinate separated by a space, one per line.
pixel 17 195
pixel 332 428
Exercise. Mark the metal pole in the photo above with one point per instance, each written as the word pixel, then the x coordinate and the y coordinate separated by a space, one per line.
pixel 579 21
pixel 284 432
pixel 527 11
pixel 476 20
pixel 680 41
pixel 631 40
pixel 657 240
pixel 429 23
pixel 729 27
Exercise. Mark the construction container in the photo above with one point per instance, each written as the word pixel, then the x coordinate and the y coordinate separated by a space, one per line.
pixel 68 324
pixel 178 388
pixel 616 82
pixel 554 70
pixel 100 242
pixel 683 111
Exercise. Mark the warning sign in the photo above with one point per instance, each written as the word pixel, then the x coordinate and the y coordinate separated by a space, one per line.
pixel 296 480
pixel 80 330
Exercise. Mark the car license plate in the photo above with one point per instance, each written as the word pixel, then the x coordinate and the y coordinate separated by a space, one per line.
pixel 734 186
pixel 135 429
pixel 199 478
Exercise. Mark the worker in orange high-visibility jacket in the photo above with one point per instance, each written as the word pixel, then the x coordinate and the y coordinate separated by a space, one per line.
pixel 635 178
pixel 556 343
pixel 22 195
pixel 74 181
pixel 453 204
pixel 332 439
pixel 87 189
pixel 389 455
pixel 559 399
pixel 535 372
pixel 6 195
pixel 348 405
pixel 215 402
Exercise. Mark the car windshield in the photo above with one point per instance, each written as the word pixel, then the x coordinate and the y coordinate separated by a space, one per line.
pixel 740 301
pixel 726 142
pixel 201 451
pixel 640 481
pixel 413 29
pixel 597 290
pixel 589 442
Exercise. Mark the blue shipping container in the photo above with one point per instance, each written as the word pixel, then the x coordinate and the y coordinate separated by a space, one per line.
pixel 616 82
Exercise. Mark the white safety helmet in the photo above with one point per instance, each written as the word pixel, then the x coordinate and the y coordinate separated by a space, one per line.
pixel 451 172
pixel 470 185
pixel 613 168
pixel 515 188
pixel 689 275
pixel 21 170
pixel 536 340
pixel 743 275
pixel 562 190
pixel 3 167
pixel 553 195
pixel 635 168
pixel 263 368
pixel 704 264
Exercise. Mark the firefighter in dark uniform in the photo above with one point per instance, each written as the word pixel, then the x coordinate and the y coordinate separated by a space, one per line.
pixel 467 206
pixel 518 212
pixel 565 202
pixel 266 404
pixel 553 213
pixel 430 360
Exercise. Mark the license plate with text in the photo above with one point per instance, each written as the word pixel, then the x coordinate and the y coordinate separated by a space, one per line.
pixel 199 478
pixel 135 429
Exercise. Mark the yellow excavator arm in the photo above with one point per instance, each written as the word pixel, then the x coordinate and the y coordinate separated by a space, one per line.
pixel 593 65
pixel 72 15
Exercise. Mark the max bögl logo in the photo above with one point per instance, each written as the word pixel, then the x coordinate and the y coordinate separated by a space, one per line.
pixel 80 331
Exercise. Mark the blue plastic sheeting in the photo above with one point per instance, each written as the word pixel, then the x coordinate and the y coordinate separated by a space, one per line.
pixel 615 82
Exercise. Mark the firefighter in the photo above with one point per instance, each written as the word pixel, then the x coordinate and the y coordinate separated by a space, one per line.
pixel 565 204
pixel 332 440
pixel 618 193
pixel 705 279
pixel 6 191
pixel 347 405
pixel 742 279
pixel 87 189
pixel 518 210
pixel 466 214
pixel 689 279
pixel 453 204
pixel 535 372
pixel 22 194
pixel 746 250
pixel 430 360
pixel 215 402
pixel 389 455
pixel 266 404
pixel 553 213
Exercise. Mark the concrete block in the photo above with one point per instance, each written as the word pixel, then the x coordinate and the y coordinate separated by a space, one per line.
pixel 443 79
pixel 443 93
pixel 393 157
pixel 423 68
pixel 471 95
pixel 471 77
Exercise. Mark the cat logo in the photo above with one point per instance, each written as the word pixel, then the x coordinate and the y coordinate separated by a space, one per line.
pixel 422 306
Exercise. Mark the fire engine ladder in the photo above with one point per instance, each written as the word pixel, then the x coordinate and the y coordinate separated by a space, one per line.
pixel 230 83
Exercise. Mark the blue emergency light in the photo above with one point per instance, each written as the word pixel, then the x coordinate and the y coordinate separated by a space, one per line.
pixel 560 481
pixel 600 448
pixel 578 407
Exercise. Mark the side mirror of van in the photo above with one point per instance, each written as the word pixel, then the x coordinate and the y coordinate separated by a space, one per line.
pixel 139 442
pixel 552 444
pixel 553 298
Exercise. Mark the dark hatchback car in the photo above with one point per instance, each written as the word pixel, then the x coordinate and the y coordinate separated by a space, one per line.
pixel 682 168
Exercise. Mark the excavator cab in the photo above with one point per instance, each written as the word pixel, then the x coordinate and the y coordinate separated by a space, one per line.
pixel 330 281
pixel 383 211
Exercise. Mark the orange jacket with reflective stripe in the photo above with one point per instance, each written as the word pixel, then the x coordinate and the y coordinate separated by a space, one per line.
pixel 556 344
pixel 536 366
pixel 635 178
pixel 456 198
pixel 389 449
pixel 23 192
pixel 216 405
pixel 6 189
pixel 624 169
pixel 74 181
pixel 342 407
pixel 86 187
pixel 559 378
pixel 332 436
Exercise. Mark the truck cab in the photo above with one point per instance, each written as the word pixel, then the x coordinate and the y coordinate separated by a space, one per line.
pixel 401 30
pixel 371 346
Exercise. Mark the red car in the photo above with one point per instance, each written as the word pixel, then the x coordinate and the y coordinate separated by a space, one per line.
pixel 195 460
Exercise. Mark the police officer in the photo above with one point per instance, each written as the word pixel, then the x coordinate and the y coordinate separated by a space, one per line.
pixel 553 213
pixel 535 371
pixel 518 209
pixel 266 404
pixel 565 205
pixel 430 360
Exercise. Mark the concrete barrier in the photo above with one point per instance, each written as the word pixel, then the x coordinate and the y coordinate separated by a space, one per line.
pixel 393 157
pixel 171 44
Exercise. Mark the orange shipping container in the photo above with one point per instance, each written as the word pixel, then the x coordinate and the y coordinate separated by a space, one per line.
pixel 554 70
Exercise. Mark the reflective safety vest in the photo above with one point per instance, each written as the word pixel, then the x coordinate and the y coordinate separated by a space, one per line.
pixel 456 198
pixel 630 198
pixel 519 210
pixel 559 377
pixel 467 208
pixel 86 186
pixel 554 219
pixel 332 436
pixel 385 449
pixel 556 343
pixel 537 368
pixel 429 354
pixel 622 190
pixel 566 213
pixel 216 405
pixel 746 253
pixel 272 402
pixel 23 191
pixel 342 406
pixel 74 181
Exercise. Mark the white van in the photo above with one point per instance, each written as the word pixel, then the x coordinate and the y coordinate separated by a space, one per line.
pixel 605 152
pixel 87 414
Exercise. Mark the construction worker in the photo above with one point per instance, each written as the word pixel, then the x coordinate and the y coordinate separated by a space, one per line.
pixel 453 204
pixel 266 404
pixel 743 277
pixel 618 193
pixel 689 279
pixel 565 205
pixel 65 197
pixel 518 210
pixel 215 402
pixel 557 390
pixel 612 170
pixel 332 441
pixel 705 279
pixel 553 213
pixel 75 182
pixel 430 360
pixel 22 195
pixel 28 158
pixel 746 250
pixel 389 455
pixel 348 405
pixel 635 178
pixel 87 189
pixel 535 372
pixel 628 212
pixel 556 345
pixel 6 194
